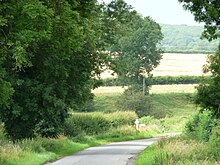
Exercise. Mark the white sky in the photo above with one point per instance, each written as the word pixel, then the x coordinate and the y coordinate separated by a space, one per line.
pixel 163 11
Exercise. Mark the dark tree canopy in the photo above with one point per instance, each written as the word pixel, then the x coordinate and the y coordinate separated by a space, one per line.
pixel 52 52
pixel 48 63
pixel 207 11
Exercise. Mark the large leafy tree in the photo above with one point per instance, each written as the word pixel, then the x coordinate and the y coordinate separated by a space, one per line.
pixel 207 11
pixel 135 42
pixel 48 62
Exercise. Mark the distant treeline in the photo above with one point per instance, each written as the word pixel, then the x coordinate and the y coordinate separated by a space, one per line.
pixel 161 80
pixel 186 39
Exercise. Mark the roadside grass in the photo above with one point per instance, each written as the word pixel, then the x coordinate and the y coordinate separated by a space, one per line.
pixel 177 151
pixel 41 150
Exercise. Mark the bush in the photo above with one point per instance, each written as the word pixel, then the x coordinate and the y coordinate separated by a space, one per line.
pixel 161 80
pixel 200 126
pixel 117 119
pixel 96 122
pixel 136 102
pixel 89 123
pixel 3 137
pixel 214 143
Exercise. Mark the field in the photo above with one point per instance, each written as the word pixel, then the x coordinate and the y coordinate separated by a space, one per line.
pixel 174 64
pixel 181 64
pixel 188 88
pixel 174 102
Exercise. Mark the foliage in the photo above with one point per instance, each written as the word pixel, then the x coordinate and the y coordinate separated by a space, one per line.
pixel 135 42
pixel 96 122
pixel 200 126
pixel 49 58
pixel 183 150
pixel 208 12
pixel 214 142
pixel 209 93
pixel 186 39
pixel 41 150
pixel 87 123
pixel 141 105
pixel 161 80
pixel 177 150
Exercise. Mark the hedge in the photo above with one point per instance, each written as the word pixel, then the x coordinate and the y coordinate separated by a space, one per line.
pixel 161 80
pixel 96 122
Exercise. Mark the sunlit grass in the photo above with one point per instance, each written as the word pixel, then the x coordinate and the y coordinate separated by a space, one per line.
pixel 176 151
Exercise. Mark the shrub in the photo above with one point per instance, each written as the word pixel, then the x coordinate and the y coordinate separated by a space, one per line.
pixel 161 80
pixel 136 102
pixel 89 123
pixel 200 126
pixel 96 122
pixel 117 119
pixel 2 134
pixel 214 143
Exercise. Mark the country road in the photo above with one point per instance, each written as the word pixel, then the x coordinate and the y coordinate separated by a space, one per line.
pixel 120 153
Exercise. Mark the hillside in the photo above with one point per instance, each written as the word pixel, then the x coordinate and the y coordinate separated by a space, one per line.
pixel 183 38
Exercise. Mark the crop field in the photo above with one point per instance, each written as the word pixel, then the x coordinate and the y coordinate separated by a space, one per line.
pixel 174 64
pixel 180 88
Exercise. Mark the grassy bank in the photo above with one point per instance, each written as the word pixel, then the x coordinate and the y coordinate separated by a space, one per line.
pixel 40 150
pixel 179 150
pixel 199 144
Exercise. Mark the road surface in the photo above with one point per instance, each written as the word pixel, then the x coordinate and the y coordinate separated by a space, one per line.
pixel 120 153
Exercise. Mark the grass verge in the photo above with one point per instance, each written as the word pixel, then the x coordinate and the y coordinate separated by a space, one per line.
pixel 41 150
pixel 177 151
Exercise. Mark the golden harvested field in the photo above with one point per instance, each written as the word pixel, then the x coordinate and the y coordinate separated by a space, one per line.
pixel 180 88
pixel 174 64
pixel 189 88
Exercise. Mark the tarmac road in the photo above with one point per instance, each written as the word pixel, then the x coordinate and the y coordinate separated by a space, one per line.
pixel 120 153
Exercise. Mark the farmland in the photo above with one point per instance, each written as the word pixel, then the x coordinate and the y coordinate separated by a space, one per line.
pixel 174 64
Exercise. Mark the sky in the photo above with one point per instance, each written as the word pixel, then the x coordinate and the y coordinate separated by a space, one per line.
pixel 163 11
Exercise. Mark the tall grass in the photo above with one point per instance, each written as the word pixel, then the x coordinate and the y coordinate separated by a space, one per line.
pixel 177 151
pixel 200 144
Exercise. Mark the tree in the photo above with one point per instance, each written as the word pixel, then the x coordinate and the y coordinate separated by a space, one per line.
pixel 208 11
pixel 134 41
pixel 49 59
